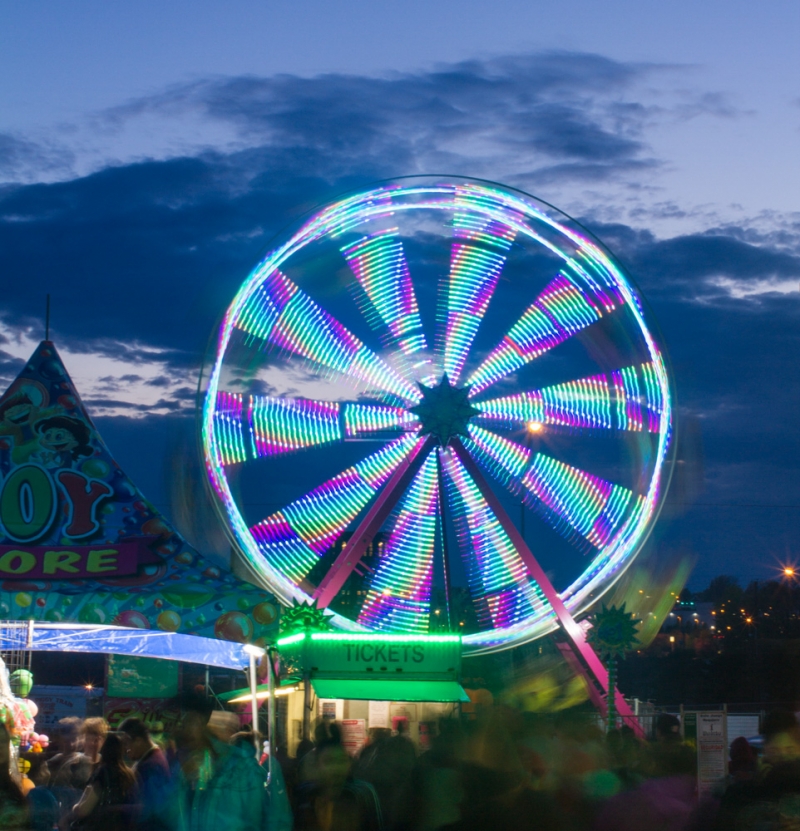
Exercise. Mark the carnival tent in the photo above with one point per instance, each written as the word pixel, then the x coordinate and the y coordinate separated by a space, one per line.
pixel 84 553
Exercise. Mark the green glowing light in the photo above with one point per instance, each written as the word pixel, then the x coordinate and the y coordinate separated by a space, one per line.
pixel 322 636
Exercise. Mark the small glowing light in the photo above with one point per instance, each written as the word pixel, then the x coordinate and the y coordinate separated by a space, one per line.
pixel 88 687
pixel 749 620
pixel 535 426
pixel 672 638
pixel 789 571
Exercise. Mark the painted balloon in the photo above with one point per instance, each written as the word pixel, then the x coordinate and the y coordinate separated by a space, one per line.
pixel 234 626
pixel 132 618
pixel 169 621
pixel 265 613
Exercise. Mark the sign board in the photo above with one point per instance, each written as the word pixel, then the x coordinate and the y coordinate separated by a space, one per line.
pixel 378 714
pixel 361 656
pixel 354 734
pixel 130 677
pixel 56 702
pixel 404 710
pixel 155 713
pixel 712 751
pixel 330 709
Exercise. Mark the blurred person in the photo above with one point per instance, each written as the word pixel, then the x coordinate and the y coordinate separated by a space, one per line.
pixel 93 734
pixel 13 807
pixel 781 738
pixel 665 800
pixel 743 765
pixel 157 811
pixel 772 798
pixel 222 787
pixel 70 770
pixel 387 764
pixel 224 725
pixel 109 801
pixel 42 805
pixel 330 798
pixel 279 811
pixel 69 767
pixel 494 784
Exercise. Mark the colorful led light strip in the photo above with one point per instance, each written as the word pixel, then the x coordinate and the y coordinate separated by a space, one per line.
pixel 229 433
pixel 280 425
pixel 574 500
pixel 285 316
pixel 501 588
pixel 370 418
pixel 589 505
pixel 387 295
pixel 399 595
pixel 637 408
pixel 559 312
pixel 585 402
pixel 477 257
pixel 293 539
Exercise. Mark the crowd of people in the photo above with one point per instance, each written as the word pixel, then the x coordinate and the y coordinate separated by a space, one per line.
pixel 507 770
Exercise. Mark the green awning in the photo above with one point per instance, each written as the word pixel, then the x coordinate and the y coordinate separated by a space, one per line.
pixel 389 690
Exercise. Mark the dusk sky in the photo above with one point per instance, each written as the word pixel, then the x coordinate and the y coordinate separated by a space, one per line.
pixel 149 151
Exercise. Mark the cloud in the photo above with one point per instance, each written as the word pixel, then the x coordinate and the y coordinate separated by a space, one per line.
pixel 24 160
pixel 141 257
pixel 741 289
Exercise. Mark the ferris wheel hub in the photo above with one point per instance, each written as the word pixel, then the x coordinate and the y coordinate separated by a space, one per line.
pixel 445 411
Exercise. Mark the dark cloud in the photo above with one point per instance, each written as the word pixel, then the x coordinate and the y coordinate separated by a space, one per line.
pixel 159 381
pixel 141 259
pixel 21 158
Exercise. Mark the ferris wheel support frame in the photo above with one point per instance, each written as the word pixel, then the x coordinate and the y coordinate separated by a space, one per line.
pixel 351 554
pixel 585 661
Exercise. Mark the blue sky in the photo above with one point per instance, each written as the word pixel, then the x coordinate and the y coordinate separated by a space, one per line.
pixel 148 152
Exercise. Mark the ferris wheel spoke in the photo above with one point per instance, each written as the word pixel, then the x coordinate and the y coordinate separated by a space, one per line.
pixel 399 595
pixel 569 499
pixel 283 315
pixel 294 538
pixel 248 427
pixel 585 402
pixel 560 311
pixel 387 298
pixel 628 399
pixel 503 590
pixel 477 257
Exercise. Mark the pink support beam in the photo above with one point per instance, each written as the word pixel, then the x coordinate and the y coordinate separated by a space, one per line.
pixel 351 554
pixel 575 634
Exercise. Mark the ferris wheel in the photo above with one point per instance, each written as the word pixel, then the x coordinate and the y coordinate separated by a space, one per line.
pixel 439 396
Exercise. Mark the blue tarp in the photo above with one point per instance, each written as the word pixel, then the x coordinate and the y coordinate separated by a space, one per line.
pixel 121 640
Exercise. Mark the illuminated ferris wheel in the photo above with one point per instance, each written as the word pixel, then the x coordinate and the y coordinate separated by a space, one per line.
pixel 460 372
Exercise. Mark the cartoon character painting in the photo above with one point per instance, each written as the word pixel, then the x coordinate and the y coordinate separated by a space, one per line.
pixel 25 404
pixel 63 440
